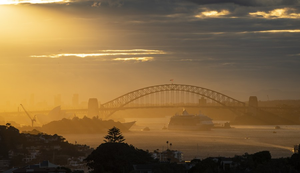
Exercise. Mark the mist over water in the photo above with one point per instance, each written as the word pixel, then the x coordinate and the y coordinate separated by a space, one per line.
pixel 201 144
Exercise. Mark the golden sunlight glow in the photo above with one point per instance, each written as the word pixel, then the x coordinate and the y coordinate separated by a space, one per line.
pixel 213 14
pixel 143 59
pixel 108 53
pixel 277 13
pixel 15 2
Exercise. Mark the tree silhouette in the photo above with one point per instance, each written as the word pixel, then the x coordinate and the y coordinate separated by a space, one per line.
pixel 114 136
pixel 117 158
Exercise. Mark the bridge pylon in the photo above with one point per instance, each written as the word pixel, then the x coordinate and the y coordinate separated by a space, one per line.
pixel 253 106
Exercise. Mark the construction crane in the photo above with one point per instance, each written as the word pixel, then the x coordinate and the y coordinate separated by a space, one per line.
pixel 32 119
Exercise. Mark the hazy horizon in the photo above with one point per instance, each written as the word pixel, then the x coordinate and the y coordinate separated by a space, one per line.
pixel 106 48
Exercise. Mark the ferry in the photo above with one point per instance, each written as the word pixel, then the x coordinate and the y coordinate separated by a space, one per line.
pixel 186 121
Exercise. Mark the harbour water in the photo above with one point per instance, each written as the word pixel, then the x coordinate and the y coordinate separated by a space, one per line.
pixel 201 144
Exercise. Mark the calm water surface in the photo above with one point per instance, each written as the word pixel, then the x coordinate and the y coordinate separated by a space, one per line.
pixel 201 144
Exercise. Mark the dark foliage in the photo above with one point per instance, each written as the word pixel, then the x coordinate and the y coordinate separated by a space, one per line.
pixel 169 168
pixel 295 161
pixel 206 165
pixel 116 158
pixel 260 162
pixel 261 157
pixel 81 126
pixel 9 139
pixel 114 136
pixel 48 145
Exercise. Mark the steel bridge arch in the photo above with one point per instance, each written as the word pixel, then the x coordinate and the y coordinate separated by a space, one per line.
pixel 119 102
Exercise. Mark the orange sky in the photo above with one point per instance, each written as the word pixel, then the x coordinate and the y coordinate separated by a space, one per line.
pixel 107 48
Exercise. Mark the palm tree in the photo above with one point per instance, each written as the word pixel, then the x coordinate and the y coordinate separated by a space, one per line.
pixel 167 144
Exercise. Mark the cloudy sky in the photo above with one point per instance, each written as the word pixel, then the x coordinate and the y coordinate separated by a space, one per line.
pixel 106 48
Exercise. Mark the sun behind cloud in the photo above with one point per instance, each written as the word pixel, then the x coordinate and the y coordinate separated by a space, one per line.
pixel 213 14
pixel 276 14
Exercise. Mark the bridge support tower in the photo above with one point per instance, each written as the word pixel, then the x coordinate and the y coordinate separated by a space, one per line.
pixel 93 108
pixel 253 106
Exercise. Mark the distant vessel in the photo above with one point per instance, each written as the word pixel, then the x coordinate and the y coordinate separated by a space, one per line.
pixel 146 129
pixel 186 121
pixel 219 125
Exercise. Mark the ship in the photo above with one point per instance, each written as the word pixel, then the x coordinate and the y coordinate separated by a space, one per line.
pixel 186 121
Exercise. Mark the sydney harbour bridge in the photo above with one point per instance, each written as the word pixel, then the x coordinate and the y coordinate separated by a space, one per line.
pixel 171 95
pixel 166 96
